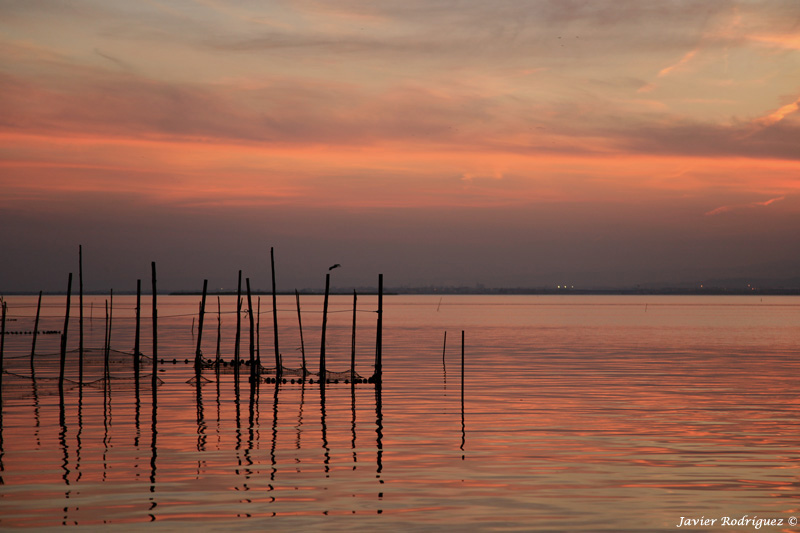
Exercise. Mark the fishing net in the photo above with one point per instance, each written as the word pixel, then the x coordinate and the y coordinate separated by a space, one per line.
pixel 287 373
pixel 25 376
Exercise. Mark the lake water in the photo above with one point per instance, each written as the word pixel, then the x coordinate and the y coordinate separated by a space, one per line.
pixel 579 413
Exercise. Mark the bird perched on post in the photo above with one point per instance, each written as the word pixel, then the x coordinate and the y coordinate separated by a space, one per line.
pixel 337 265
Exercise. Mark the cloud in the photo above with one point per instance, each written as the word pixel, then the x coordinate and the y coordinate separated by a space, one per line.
pixel 685 59
pixel 727 208
pixel 703 139
pixel 779 114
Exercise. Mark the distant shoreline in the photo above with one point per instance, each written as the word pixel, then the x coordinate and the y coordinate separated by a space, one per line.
pixel 472 291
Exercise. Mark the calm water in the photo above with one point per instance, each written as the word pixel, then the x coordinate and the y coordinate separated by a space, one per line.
pixel 579 414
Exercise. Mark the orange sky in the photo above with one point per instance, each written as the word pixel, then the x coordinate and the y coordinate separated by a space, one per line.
pixel 486 121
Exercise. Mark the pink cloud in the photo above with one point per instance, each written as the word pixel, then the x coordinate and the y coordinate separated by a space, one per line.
pixel 726 208
pixel 685 59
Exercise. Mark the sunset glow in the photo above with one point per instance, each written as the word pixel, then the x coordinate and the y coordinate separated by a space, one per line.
pixel 355 107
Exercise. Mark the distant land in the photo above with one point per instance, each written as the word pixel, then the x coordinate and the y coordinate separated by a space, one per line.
pixel 739 286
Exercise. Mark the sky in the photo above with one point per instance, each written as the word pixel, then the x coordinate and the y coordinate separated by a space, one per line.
pixel 512 143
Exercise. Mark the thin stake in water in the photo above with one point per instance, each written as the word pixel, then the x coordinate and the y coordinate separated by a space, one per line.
pixel 353 343
pixel 136 353
pixel 300 323
pixel 253 370
pixel 155 340
pixel 323 376
pixel 378 375
pixel 198 354
pixel 64 338
pixel 36 327
pixel 80 317
pixel 2 348
pixel 238 324
pixel 278 361
pixel 219 327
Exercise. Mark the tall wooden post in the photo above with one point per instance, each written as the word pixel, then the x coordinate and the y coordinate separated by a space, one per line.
pixel 136 334
pixel 353 342
pixel 463 426
pixel 278 361
pixel 80 316
pixel 253 369
pixel 155 337
pixel 109 321
pixel 323 375
pixel 198 354
pixel 238 325
pixel 300 323
pixel 378 375
pixel 105 333
pixel 64 336
pixel 36 327
pixel 219 328
pixel 444 363
pixel 462 366
pixel 2 348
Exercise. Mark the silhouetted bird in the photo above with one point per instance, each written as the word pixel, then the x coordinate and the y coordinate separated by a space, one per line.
pixel 337 265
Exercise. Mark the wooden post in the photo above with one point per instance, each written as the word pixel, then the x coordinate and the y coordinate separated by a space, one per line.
pixel 105 337
pixel 258 332
pixel 302 345
pixel 136 335
pixel 64 336
pixel 155 338
pixel 444 363
pixel 463 426
pixel 253 370
pixel 278 361
pixel 323 376
pixel 110 324
pixel 106 342
pixel 36 327
pixel 219 327
pixel 378 375
pixel 353 342
pixel 462 366
pixel 238 325
pixel 198 355
pixel 2 348
pixel 80 316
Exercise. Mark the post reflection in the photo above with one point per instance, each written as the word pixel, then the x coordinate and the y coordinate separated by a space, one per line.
pixel 251 428
pixel 463 426
pixel 62 439
pixel 153 451
pixel 327 452
pixel 95 433
pixel 201 422
pixel 79 435
pixel 36 411
pixel 353 422
pixel 110 418
pixel 106 425
pixel 274 442
pixel 379 427
pixel 2 450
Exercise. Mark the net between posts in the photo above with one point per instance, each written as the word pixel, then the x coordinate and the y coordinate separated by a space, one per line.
pixel 225 367
pixel 26 377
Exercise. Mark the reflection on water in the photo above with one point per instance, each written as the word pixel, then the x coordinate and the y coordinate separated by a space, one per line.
pixel 582 413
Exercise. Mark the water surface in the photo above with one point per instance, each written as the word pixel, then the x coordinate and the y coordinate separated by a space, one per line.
pixel 588 413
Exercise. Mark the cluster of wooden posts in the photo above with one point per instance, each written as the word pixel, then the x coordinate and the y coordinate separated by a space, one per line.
pixel 257 371
pixel 254 362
